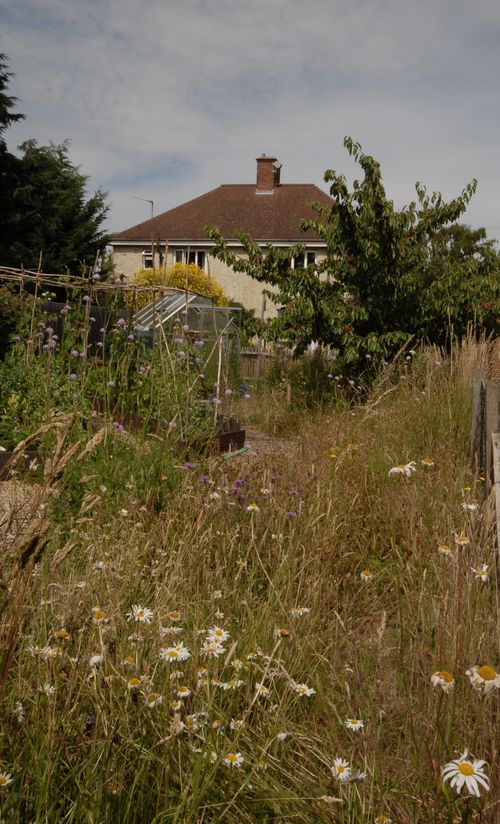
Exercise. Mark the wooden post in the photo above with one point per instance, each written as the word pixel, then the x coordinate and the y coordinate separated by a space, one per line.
pixel 492 414
pixel 495 445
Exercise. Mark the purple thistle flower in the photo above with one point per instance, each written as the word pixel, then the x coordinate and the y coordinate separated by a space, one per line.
pixel 86 299
pixel 74 353
pixel 73 376
pixel 121 322
pixel 111 383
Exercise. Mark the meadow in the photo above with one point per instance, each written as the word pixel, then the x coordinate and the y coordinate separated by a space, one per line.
pixel 309 635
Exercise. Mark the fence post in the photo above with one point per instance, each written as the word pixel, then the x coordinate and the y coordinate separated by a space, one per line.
pixel 495 444
pixel 492 416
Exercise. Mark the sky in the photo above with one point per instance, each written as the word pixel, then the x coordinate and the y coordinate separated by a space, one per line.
pixel 167 99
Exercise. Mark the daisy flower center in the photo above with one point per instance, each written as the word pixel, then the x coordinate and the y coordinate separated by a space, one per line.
pixel 232 757
pixel 340 769
pixel 466 768
pixel 487 673
pixel 445 676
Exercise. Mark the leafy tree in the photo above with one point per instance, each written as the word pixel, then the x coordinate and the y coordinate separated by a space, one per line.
pixel 44 207
pixel 52 214
pixel 389 274
pixel 8 163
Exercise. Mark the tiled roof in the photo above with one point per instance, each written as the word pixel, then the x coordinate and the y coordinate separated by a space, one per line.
pixel 266 217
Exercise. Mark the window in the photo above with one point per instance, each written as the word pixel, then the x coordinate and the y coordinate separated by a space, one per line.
pixel 197 256
pixel 304 259
pixel 147 260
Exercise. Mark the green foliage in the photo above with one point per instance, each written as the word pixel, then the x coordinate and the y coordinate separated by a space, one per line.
pixel 52 216
pixel 44 209
pixel 11 308
pixel 389 275
pixel 120 378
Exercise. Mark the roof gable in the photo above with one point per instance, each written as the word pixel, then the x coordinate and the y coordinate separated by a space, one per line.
pixel 236 207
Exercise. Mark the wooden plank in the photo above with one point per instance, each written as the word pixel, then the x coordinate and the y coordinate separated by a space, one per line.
pixel 495 443
pixel 491 423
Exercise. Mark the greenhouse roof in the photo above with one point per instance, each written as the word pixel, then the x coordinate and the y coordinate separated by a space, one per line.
pixel 196 310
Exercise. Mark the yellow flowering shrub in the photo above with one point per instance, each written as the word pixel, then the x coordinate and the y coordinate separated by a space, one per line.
pixel 197 281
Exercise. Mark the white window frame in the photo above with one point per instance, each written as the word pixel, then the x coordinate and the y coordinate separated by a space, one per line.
pixel 181 256
pixel 309 258
pixel 147 259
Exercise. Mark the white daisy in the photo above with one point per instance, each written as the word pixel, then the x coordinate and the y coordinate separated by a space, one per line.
pixel 341 769
pixel 366 575
pixel 141 614
pixel 183 692
pixel 212 649
pixel 403 469
pixel 481 572
pixel 164 631
pixel 233 759
pixel 461 539
pixel 298 612
pixel 484 678
pixel 466 772
pixel 444 549
pixel 152 700
pixel 302 689
pixel 355 724
pixel 5 779
pixel 217 634
pixel 261 689
pixel 177 653
pixel 443 679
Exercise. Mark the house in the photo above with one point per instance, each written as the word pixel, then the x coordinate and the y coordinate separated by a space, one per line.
pixel 268 210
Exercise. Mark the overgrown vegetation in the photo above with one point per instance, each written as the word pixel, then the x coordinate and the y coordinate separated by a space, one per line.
pixel 389 275
pixel 202 642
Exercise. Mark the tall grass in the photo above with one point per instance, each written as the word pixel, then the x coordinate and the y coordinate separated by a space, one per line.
pixel 326 511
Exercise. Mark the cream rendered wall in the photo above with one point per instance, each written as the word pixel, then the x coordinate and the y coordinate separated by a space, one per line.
pixel 237 285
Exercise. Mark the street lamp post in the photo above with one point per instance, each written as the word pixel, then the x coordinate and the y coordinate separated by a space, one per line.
pixel 146 200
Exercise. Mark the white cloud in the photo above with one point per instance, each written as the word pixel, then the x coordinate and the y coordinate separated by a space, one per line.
pixel 169 98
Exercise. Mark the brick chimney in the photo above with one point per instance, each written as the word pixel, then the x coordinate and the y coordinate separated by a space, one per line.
pixel 268 174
